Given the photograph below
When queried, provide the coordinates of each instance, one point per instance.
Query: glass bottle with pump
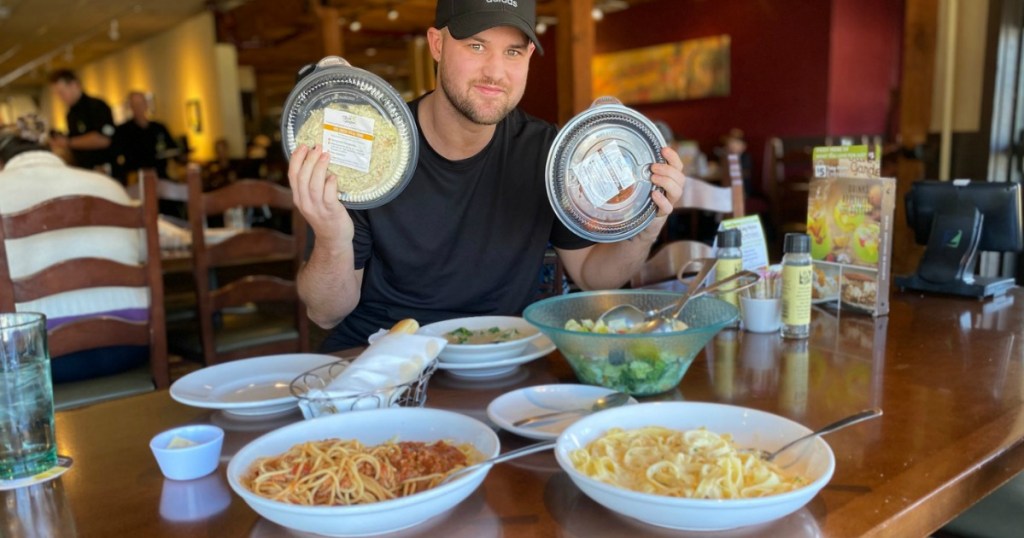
(730, 262)
(796, 286)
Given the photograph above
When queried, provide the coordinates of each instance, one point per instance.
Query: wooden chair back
(249, 248)
(726, 199)
(166, 189)
(667, 261)
(80, 273)
(788, 170)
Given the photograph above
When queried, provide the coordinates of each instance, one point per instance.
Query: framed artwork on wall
(194, 115)
(691, 69)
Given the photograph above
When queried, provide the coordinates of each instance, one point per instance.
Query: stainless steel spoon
(607, 401)
(745, 279)
(837, 425)
(510, 455)
(629, 316)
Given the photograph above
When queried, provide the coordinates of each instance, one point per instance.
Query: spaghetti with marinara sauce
(695, 464)
(337, 472)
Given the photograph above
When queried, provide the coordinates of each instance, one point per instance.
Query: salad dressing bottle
(796, 286)
(730, 262)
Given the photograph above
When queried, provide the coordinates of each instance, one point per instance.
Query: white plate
(257, 386)
(476, 353)
(538, 348)
(532, 401)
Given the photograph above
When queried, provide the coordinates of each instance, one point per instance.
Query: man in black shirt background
(90, 124)
(141, 142)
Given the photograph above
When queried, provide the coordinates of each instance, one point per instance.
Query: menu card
(850, 220)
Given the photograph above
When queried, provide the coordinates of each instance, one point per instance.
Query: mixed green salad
(638, 368)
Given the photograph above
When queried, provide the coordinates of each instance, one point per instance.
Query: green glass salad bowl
(638, 364)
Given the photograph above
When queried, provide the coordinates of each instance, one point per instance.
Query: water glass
(27, 442)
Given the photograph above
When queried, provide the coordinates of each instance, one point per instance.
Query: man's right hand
(315, 193)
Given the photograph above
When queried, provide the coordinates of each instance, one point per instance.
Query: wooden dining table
(947, 372)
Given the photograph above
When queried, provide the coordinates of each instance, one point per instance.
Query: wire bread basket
(311, 390)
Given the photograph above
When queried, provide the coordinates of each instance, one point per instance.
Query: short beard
(465, 107)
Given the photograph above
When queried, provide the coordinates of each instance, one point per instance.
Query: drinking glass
(27, 443)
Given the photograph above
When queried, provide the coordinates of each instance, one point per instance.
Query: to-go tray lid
(364, 124)
(598, 172)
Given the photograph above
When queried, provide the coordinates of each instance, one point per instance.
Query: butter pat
(180, 442)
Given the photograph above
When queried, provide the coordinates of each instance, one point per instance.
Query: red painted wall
(798, 66)
(865, 71)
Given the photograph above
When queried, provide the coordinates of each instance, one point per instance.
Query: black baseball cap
(466, 18)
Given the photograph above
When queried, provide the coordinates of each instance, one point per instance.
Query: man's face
(67, 92)
(137, 103)
(484, 76)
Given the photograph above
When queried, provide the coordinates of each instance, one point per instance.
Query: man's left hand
(669, 176)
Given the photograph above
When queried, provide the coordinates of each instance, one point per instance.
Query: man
(31, 175)
(141, 142)
(467, 236)
(90, 124)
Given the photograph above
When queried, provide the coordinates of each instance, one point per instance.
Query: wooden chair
(667, 261)
(788, 170)
(101, 330)
(699, 195)
(238, 295)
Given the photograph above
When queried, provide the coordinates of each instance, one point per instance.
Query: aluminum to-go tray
(598, 172)
(333, 81)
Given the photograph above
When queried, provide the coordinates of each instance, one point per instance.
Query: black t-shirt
(464, 238)
(87, 115)
(143, 147)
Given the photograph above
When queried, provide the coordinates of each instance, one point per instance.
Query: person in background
(734, 144)
(25, 164)
(468, 234)
(221, 171)
(224, 170)
(90, 124)
(141, 142)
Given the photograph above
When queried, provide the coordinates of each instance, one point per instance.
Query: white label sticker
(604, 174)
(349, 139)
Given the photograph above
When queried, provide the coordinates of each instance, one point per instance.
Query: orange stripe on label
(349, 132)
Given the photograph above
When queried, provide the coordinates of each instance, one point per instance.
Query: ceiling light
(115, 30)
(371, 52)
(392, 14)
(355, 26)
(597, 14)
(541, 27)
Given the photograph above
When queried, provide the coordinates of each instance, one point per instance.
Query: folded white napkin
(392, 359)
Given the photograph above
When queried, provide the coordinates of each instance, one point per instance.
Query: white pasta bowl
(482, 353)
(371, 428)
(750, 428)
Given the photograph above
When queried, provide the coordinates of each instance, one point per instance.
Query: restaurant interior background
(221, 69)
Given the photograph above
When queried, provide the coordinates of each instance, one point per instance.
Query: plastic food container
(364, 124)
(598, 172)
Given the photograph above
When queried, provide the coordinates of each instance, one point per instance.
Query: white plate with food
(528, 402)
(482, 338)
(273, 466)
(249, 387)
(686, 436)
(536, 349)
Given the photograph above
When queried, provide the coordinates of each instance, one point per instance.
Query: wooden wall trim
(576, 35)
(920, 33)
